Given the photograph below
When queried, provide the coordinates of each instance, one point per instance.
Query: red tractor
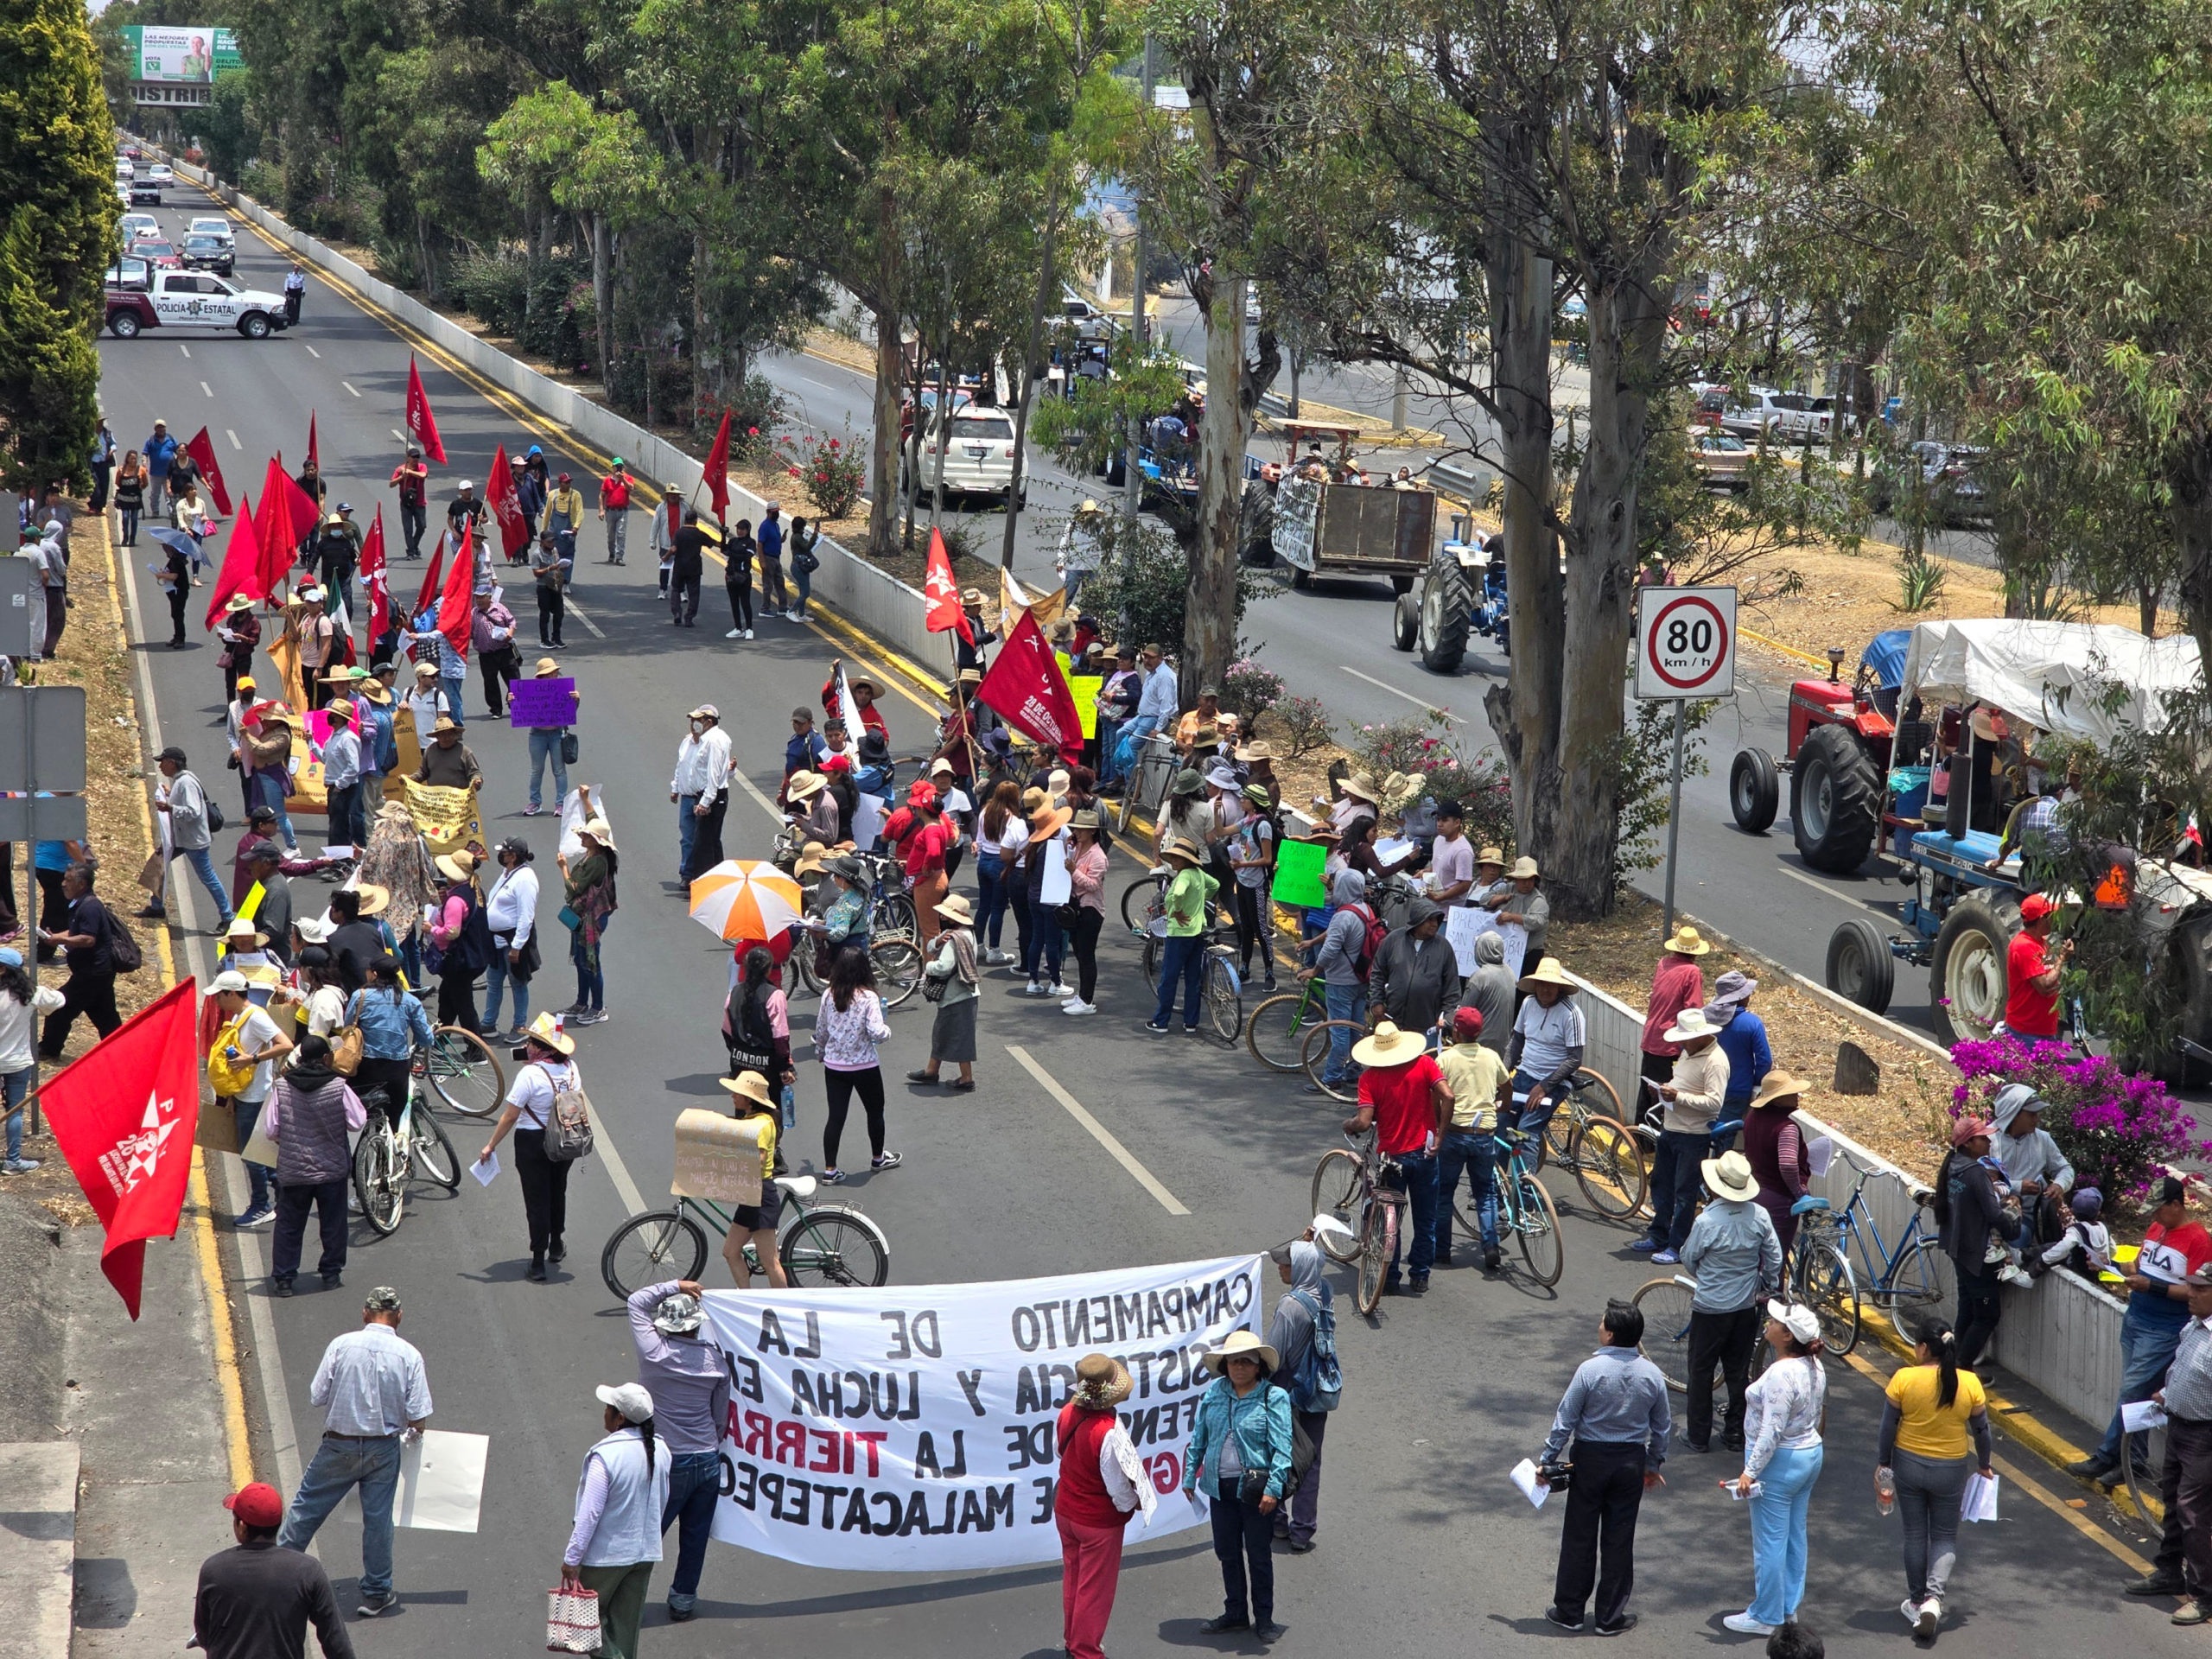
(1840, 743)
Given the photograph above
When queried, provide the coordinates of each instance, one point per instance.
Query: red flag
(717, 475)
(273, 531)
(202, 450)
(499, 495)
(241, 571)
(430, 581)
(302, 509)
(126, 1116)
(313, 460)
(372, 578)
(1026, 686)
(456, 608)
(943, 593)
(419, 420)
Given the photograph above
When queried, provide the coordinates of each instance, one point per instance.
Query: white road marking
(311, 351)
(1385, 685)
(576, 611)
(397, 432)
(1099, 1132)
(348, 385)
(185, 349)
(759, 799)
(1822, 887)
(233, 437)
(205, 387)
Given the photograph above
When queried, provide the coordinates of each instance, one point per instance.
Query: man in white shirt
(423, 702)
(259, 1040)
(700, 791)
(373, 1390)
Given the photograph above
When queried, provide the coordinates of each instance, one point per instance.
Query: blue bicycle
(1897, 1279)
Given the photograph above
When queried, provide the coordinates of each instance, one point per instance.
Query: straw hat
(956, 911)
(863, 683)
(1101, 1383)
(455, 866)
(600, 831)
(804, 785)
(546, 1029)
(749, 1085)
(1087, 819)
(1361, 785)
(809, 859)
(1524, 869)
(1549, 972)
(1387, 1046)
(243, 935)
(1730, 1177)
(1255, 752)
(375, 691)
(1776, 1085)
(238, 602)
(547, 669)
(1050, 821)
(1686, 942)
(446, 723)
(1242, 1344)
(1177, 847)
(1492, 856)
(373, 898)
(1690, 1026)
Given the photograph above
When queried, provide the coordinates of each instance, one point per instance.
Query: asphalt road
(1422, 1536)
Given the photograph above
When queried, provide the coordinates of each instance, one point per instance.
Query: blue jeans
(1044, 952)
(16, 1085)
(543, 746)
(1182, 963)
(1476, 1152)
(203, 868)
(1109, 737)
(497, 977)
(1778, 1533)
(990, 892)
(591, 982)
(1675, 1183)
(694, 1479)
(1345, 1003)
(804, 581)
(687, 834)
(2146, 1349)
(339, 1466)
(451, 690)
(259, 1176)
(1535, 1112)
(1421, 1195)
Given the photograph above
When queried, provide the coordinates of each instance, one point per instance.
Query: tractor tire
(1404, 623)
(1447, 604)
(1301, 579)
(1754, 791)
(1835, 800)
(1966, 983)
(1859, 965)
(1255, 527)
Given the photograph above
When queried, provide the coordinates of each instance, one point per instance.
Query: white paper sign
(911, 1429)
(1057, 886)
(1465, 923)
(1524, 1476)
(1979, 1502)
(440, 1483)
(867, 820)
(2139, 1414)
(573, 817)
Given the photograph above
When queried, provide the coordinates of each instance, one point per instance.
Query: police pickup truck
(138, 299)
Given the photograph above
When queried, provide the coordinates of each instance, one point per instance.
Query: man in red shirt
(614, 510)
(864, 694)
(1676, 983)
(2031, 970)
(1403, 1095)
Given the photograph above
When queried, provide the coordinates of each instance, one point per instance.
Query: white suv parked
(978, 453)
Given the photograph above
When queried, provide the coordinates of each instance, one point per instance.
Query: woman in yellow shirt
(1934, 1434)
(756, 1223)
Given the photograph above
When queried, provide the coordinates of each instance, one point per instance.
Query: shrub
(755, 413)
(1423, 751)
(1305, 723)
(2118, 1129)
(832, 470)
(1249, 690)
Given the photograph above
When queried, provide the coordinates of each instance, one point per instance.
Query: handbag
(570, 750)
(571, 1620)
(569, 918)
(345, 1053)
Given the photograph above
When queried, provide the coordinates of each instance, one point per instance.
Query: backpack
(568, 1132)
(226, 1077)
(1318, 1384)
(470, 951)
(1370, 941)
(745, 1029)
(122, 945)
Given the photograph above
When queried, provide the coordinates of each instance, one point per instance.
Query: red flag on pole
(314, 459)
(241, 571)
(717, 474)
(202, 451)
(1026, 686)
(945, 612)
(432, 580)
(126, 1116)
(273, 531)
(500, 495)
(419, 420)
(372, 578)
(456, 608)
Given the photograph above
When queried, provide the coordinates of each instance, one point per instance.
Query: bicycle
(1221, 987)
(1819, 1274)
(1666, 1306)
(897, 962)
(1587, 1136)
(1276, 1030)
(1358, 1173)
(820, 1244)
(462, 1070)
(1899, 1280)
(386, 1152)
(1146, 786)
(1144, 904)
(1524, 1208)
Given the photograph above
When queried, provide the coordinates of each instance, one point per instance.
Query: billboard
(191, 56)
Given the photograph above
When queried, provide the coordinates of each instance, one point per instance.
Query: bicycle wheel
(1336, 1187)
(1910, 1288)
(463, 1071)
(898, 964)
(1666, 1307)
(1609, 1169)
(1154, 950)
(1314, 1057)
(433, 1151)
(1823, 1278)
(1557, 1144)
(1141, 902)
(1275, 1030)
(1599, 1097)
(892, 914)
(802, 960)
(1537, 1225)
(1224, 1002)
(378, 1182)
(650, 1249)
(1374, 1255)
(833, 1244)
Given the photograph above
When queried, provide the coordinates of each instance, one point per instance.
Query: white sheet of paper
(1517, 946)
(1387, 850)
(340, 851)
(867, 820)
(2142, 1414)
(1463, 926)
(1820, 1153)
(440, 1483)
(1979, 1502)
(1057, 884)
(1524, 1476)
(485, 1170)
(572, 821)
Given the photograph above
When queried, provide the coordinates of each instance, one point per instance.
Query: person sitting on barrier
(2037, 1169)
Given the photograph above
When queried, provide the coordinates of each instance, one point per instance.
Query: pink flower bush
(2119, 1129)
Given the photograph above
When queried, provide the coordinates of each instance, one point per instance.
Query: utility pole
(1139, 334)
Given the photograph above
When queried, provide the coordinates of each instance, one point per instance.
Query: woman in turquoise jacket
(1239, 1456)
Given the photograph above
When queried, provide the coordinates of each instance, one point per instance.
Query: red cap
(836, 763)
(2034, 907)
(257, 1504)
(1467, 1023)
(922, 793)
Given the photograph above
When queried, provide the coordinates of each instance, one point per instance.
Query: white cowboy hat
(1548, 972)
(1729, 1176)
(1689, 1025)
(1387, 1046)
(1242, 1344)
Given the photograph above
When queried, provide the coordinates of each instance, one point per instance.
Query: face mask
(698, 726)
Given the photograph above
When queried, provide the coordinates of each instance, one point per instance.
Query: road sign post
(41, 781)
(1685, 649)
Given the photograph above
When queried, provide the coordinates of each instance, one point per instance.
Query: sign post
(41, 773)
(1685, 649)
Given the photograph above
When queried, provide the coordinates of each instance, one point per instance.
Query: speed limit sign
(1686, 642)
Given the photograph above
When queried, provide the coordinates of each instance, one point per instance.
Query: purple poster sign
(541, 702)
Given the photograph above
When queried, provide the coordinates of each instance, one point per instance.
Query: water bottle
(1885, 1492)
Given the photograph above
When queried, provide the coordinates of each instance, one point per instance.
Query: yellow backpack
(227, 1076)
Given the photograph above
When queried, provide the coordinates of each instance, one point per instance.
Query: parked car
(1949, 473)
(1800, 415)
(131, 271)
(978, 453)
(1722, 457)
(193, 300)
(216, 253)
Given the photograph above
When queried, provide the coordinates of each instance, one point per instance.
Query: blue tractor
(1461, 594)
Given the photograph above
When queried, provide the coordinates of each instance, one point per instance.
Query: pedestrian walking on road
(848, 1031)
(1737, 1260)
(738, 553)
(804, 561)
(1240, 1454)
(182, 799)
(159, 453)
(1415, 976)
(449, 763)
(20, 1006)
(756, 1018)
(103, 462)
(548, 744)
(1341, 960)
(1782, 1459)
(1692, 1104)
(1403, 1097)
(548, 568)
(756, 1223)
(1103, 1487)
(2185, 1558)
(413, 479)
(1934, 1434)
(311, 1112)
(589, 887)
(87, 945)
(1677, 982)
(373, 1388)
(1087, 896)
(549, 1071)
(251, 1042)
(341, 776)
(256, 1601)
(1303, 1332)
(491, 633)
(620, 1500)
(1613, 1421)
(460, 940)
(132, 485)
(688, 1381)
(564, 515)
(699, 790)
(952, 964)
(510, 912)
(614, 509)
(296, 288)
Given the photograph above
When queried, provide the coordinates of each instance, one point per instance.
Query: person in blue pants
(1183, 965)
(2150, 1331)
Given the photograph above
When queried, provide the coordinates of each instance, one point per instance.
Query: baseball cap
(229, 980)
(630, 1399)
(172, 752)
(383, 1299)
(1796, 1317)
(2034, 907)
(257, 1504)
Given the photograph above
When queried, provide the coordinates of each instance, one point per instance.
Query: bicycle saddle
(1159, 869)
(799, 1186)
(1729, 1127)
(1808, 1202)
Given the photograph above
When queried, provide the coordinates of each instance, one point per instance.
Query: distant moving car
(204, 252)
(193, 300)
(157, 252)
(978, 453)
(158, 172)
(128, 151)
(145, 192)
(136, 225)
(131, 271)
(212, 225)
(1722, 458)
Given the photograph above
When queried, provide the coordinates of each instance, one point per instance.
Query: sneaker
(737, 633)
(280, 1286)
(1664, 1258)
(681, 1608)
(372, 1605)
(2159, 1584)
(1490, 1258)
(1930, 1614)
(1037, 988)
(253, 1219)
(1076, 1006)
(573, 1010)
(1552, 1616)
(1744, 1624)
(749, 633)
(1644, 1246)
(889, 1160)
(1268, 986)
(1223, 1622)
(531, 811)
(997, 958)
(1620, 1626)
(1155, 1028)
(20, 1166)
(834, 1176)
(590, 1017)
(333, 1281)
(2016, 1276)
(1910, 1609)
(1060, 991)
(2197, 1613)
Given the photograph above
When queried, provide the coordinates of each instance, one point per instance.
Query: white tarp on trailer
(2058, 676)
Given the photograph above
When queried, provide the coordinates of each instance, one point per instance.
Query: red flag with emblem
(716, 478)
(314, 460)
(202, 451)
(500, 495)
(1026, 686)
(372, 578)
(241, 571)
(456, 607)
(126, 1116)
(419, 420)
(945, 614)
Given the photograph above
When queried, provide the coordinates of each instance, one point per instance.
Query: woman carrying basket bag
(615, 1542)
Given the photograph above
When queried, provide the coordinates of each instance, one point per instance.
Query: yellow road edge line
(223, 1328)
(1787, 651)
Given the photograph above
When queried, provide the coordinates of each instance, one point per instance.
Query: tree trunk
(1029, 362)
(890, 371)
(602, 299)
(1209, 612)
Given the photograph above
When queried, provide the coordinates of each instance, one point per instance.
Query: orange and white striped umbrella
(746, 899)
